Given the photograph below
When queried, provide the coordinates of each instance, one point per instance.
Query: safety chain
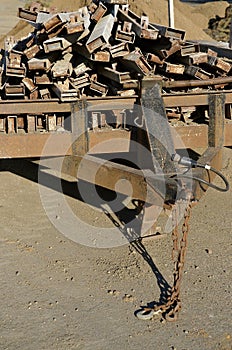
(173, 305)
(178, 255)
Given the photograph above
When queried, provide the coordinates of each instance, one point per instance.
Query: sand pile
(191, 18)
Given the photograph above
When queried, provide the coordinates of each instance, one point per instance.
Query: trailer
(155, 142)
(107, 137)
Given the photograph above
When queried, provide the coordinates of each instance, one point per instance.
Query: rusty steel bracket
(156, 124)
(216, 139)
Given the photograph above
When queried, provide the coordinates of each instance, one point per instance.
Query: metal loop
(145, 314)
(171, 316)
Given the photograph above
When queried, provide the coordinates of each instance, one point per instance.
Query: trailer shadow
(121, 219)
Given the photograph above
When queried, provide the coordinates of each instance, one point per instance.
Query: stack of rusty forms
(103, 49)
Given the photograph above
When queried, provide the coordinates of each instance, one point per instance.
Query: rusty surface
(216, 120)
(101, 56)
(124, 34)
(99, 12)
(31, 145)
(66, 91)
(101, 138)
(197, 83)
(54, 105)
(136, 61)
(212, 156)
(193, 99)
(14, 91)
(108, 174)
(27, 15)
(37, 64)
(192, 136)
(55, 44)
(115, 75)
(228, 134)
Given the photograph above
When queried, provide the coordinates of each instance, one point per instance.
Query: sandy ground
(8, 15)
(58, 294)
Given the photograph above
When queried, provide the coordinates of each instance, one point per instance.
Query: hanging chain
(173, 305)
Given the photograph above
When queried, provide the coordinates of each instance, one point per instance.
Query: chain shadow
(135, 240)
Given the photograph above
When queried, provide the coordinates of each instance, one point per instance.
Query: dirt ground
(58, 294)
(8, 17)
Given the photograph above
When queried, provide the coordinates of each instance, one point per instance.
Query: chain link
(173, 305)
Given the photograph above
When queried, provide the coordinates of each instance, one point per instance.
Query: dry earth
(58, 294)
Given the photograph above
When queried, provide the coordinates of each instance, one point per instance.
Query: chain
(173, 305)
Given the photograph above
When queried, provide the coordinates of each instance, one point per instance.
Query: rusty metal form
(98, 87)
(195, 58)
(61, 69)
(199, 73)
(39, 64)
(52, 22)
(75, 27)
(169, 32)
(114, 74)
(192, 135)
(45, 94)
(108, 33)
(55, 44)
(41, 78)
(99, 12)
(81, 81)
(27, 15)
(81, 69)
(142, 28)
(219, 63)
(101, 33)
(25, 134)
(136, 61)
(65, 91)
(124, 33)
(172, 307)
(31, 51)
(189, 49)
(173, 68)
(14, 91)
(119, 50)
(101, 56)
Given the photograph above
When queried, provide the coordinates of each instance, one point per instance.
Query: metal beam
(107, 174)
(9, 107)
(192, 99)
